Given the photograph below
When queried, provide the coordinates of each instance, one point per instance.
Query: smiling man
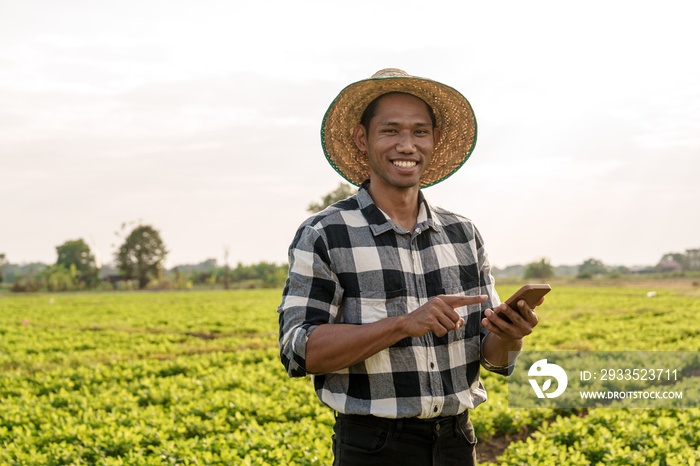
(390, 302)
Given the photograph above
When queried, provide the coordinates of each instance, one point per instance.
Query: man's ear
(359, 135)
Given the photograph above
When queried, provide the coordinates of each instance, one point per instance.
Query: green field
(194, 378)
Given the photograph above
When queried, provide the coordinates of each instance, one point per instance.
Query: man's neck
(400, 204)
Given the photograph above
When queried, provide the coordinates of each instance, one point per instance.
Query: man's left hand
(522, 323)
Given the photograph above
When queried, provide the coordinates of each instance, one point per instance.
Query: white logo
(542, 369)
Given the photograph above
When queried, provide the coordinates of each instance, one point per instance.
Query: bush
(22, 285)
(160, 285)
(126, 285)
(57, 278)
(541, 269)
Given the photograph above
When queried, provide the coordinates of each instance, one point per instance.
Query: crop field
(193, 378)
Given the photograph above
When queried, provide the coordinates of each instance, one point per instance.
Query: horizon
(218, 263)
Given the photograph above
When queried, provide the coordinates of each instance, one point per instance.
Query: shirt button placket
(418, 272)
(422, 292)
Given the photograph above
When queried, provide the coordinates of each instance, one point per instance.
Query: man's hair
(371, 109)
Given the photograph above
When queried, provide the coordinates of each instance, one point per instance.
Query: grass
(194, 377)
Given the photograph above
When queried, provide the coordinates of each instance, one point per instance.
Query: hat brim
(453, 114)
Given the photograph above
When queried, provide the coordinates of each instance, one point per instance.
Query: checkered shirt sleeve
(312, 296)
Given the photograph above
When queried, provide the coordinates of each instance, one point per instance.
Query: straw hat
(453, 114)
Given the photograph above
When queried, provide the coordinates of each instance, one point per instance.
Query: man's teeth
(404, 163)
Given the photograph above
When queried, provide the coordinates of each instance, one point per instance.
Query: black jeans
(370, 440)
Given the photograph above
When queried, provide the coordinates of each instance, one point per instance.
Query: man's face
(399, 142)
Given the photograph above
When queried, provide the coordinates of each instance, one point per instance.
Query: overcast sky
(202, 119)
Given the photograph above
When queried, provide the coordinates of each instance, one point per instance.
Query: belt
(436, 424)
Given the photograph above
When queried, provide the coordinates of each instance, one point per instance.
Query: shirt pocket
(365, 307)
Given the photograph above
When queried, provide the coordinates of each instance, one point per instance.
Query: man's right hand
(438, 315)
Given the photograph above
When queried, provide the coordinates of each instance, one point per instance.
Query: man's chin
(406, 183)
(399, 182)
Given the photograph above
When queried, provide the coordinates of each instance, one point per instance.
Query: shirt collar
(379, 222)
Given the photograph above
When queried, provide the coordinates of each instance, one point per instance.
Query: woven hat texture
(453, 114)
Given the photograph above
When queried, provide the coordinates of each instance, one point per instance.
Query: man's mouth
(404, 163)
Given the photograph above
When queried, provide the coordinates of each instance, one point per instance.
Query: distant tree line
(260, 275)
(138, 264)
(671, 263)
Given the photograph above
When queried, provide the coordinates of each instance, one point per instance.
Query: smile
(404, 163)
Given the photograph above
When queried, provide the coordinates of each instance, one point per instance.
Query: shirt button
(432, 365)
(437, 427)
(435, 409)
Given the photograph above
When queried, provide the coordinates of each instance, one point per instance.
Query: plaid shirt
(352, 264)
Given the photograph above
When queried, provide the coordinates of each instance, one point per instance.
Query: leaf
(546, 385)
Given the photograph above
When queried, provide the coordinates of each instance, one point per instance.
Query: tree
(591, 267)
(343, 191)
(142, 255)
(540, 269)
(688, 261)
(3, 262)
(227, 270)
(672, 256)
(691, 259)
(77, 254)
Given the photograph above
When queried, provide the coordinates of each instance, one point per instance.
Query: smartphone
(529, 293)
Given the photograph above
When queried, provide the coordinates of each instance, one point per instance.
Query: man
(390, 301)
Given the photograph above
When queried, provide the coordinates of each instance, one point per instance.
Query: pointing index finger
(456, 301)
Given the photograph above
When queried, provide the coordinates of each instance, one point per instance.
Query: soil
(491, 449)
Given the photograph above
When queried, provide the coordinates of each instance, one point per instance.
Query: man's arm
(333, 347)
(311, 297)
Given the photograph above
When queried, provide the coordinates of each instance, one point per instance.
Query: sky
(202, 119)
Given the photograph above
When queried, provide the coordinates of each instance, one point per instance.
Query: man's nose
(406, 144)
